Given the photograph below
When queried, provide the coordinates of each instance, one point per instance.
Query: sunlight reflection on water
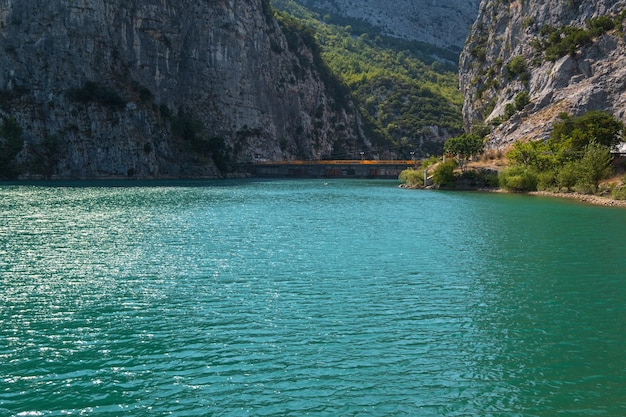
(294, 297)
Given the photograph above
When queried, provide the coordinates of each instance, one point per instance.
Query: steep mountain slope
(527, 61)
(443, 23)
(410, 97)
(161, 89)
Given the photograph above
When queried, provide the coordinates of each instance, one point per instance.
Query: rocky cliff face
(443, 23)
(160, 88)
(527, 61)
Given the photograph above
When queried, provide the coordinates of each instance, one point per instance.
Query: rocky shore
(585, 198)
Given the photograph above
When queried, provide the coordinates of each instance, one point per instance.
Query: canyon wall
(160, 88)
(525, 62)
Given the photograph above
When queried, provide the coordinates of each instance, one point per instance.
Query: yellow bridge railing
(341, 162)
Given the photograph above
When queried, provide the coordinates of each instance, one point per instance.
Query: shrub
(518, 179)
(489, 109)
(576, 38)
(567, 175)
(444, 173)
(563, 41)
(528, 21)
(577, 155)
(619, 193)
(145, 94)
(521, 100)
(546, 180)
(509, 111)
(480, 128)
(491, 180)
(94, 92)
(525, 77)
(479, 52)
(165, 111)
(412, 177)
(477, 179)
(516, 66)
(600, 25)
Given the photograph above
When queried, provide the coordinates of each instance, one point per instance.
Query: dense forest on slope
(407, 90)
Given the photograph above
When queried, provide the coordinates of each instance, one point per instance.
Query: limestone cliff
(443, 23)
(527, 61)
(160, 88)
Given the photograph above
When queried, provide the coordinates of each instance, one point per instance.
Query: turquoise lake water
(293, 298)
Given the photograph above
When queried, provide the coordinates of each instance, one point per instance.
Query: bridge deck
(332, 168)
(340, 162)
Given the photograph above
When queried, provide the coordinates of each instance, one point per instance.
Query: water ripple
(293, 298)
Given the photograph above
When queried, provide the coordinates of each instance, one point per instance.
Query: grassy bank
(493, 163)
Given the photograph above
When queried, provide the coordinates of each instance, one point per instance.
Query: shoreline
(583, 198)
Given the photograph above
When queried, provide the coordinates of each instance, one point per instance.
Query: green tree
(595, 165)
(535, 154)
(464, 147)
(593, 126)
(567, 175)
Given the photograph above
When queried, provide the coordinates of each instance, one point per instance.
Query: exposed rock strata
(159, 88)
(593, 77)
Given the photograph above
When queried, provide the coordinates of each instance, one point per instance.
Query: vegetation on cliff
(554, 43)
(402, 90)
(544, 80)
(525, 62)
(576, 158)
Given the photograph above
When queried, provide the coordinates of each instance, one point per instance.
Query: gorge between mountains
(160, 89)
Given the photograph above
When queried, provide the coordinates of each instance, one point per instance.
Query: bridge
(387, 169)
